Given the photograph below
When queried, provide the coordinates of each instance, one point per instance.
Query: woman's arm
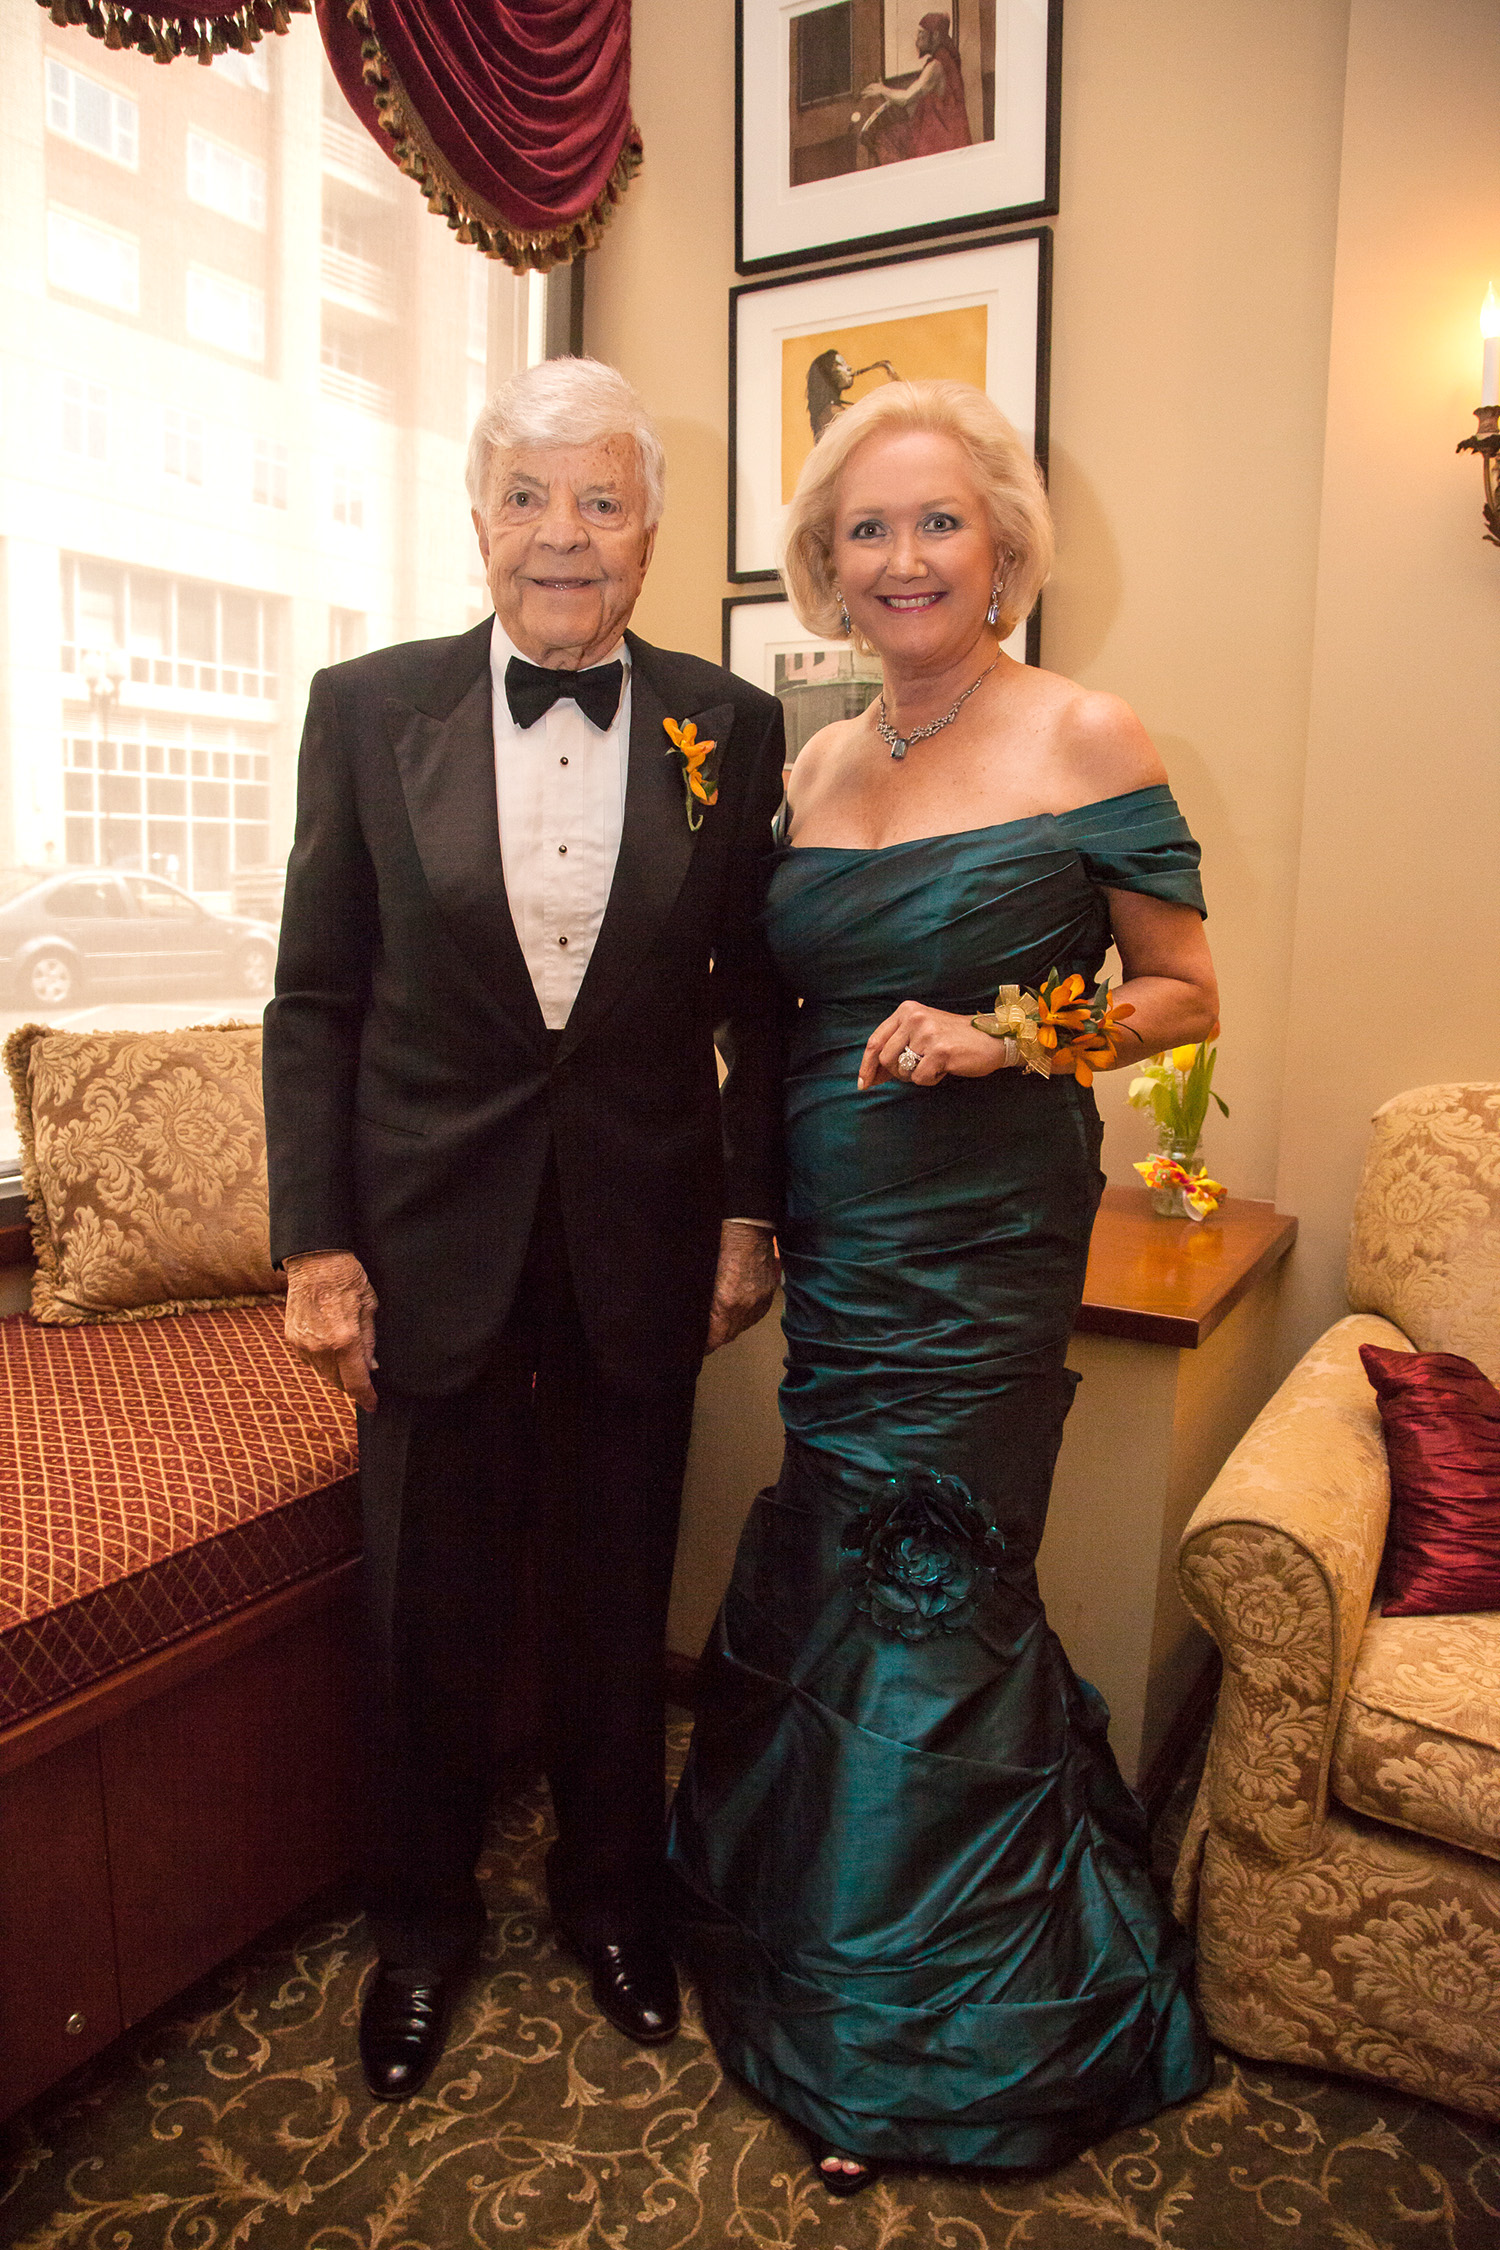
(1168, 975)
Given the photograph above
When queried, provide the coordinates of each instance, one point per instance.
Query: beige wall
(1398, 888)
(1278, 219)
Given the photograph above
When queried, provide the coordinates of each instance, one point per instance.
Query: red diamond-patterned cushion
(154, 1476)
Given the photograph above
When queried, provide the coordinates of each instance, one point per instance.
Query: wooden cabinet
(59, 1995)
(155, 1823)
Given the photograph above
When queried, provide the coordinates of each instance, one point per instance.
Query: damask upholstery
(155, 1477)
(1340, 1867)
(144, 1159)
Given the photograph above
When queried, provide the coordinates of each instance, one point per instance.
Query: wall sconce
(1486, 439)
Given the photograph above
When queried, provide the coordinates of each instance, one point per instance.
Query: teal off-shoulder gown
(909, 1876)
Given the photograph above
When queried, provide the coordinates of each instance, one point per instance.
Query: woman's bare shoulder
(1098, 747)
(818, 758)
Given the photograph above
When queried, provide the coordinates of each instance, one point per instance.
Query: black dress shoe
(402, 2026)
(635, 1985)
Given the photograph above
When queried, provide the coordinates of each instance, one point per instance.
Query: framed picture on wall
(861, 124)
(815, 681)
(803, 351)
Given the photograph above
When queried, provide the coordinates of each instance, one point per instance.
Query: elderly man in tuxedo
(514, 1204)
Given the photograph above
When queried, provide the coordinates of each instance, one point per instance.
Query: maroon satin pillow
(1441, 1419)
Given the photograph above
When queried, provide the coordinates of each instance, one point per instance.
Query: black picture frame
(844, 241)
(763, 573)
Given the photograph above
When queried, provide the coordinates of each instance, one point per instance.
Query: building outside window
(226, 180)
(268, 473)
(348, 496)
(94, 116)
(91, 260)
(162, 615)
(225, 312)
(347, 634)
(85, 418)
(182, 445)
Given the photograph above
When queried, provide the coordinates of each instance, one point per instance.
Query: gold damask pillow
(144, 1159)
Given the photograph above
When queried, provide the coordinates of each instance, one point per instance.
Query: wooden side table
(1175, 1344)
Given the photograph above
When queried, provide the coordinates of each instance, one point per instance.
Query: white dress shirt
(560, 790)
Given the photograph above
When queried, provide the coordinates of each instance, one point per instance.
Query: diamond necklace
(901, 743)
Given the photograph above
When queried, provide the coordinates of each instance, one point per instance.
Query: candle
(1489, 329)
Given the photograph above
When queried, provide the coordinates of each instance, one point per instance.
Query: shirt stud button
(562, 941)
(562, 761)
(562, 851)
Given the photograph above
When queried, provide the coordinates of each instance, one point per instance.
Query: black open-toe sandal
(841, 2183)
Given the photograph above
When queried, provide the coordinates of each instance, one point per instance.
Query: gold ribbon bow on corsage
(698, 773)
(1199, 1193)
(1058, 1033)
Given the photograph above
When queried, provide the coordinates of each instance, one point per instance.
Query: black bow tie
(531, 690)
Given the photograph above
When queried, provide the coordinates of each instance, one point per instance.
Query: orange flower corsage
(1058, 1031)
(699, 760)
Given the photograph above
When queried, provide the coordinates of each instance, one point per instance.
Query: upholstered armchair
(1342, 1866)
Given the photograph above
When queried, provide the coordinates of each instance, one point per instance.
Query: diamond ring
(907, 1061)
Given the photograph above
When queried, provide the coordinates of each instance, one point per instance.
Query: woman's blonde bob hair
(1004, 471)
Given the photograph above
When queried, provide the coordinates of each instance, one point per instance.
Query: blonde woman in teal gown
(911, 1881)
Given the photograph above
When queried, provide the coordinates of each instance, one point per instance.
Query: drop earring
(992, 614)
(843, 613)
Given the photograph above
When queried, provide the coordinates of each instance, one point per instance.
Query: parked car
(91, 932)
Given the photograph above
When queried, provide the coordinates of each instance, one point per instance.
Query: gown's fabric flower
(919, 1557)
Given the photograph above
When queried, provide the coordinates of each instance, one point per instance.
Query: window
(167, 491)
(477, 365)
(182, 808)
(228, 313)
(349, 497)
(159, 902)
(226, 180)
(76, 902)
(195, 639)
(346, 634)
(85, 418)
(251, 71)
(268, 474)
(825, 54)
(182, 445)
(93, 260)
(92, 115)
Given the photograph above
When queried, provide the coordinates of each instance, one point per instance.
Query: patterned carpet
(239, 2118)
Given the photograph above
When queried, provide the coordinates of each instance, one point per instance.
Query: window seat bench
(178, 1540)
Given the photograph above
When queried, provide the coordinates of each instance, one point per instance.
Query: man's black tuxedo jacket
(412, 1092)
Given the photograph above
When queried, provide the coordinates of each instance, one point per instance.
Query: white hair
(566, 402)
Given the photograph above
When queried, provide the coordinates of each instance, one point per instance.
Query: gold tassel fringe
(473, 221)
(164, 38)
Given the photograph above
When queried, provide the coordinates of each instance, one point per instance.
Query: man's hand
(330, 1320)
(745, 1282)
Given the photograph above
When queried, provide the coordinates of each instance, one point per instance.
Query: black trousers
(540, 1451)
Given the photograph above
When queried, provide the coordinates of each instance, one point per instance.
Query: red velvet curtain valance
(204, 28)
(512, 115)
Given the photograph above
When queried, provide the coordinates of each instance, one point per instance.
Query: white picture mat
(1005, 174)
(1004, 277)
(760, 631)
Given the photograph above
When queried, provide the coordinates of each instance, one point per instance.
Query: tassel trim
(165, 38)
(471, 218)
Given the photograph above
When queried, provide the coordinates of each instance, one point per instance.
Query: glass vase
(1168, 1202)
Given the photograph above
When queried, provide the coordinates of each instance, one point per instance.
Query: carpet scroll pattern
(238, 2120)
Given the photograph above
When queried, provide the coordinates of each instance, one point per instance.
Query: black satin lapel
(447, 769)
(656, 851)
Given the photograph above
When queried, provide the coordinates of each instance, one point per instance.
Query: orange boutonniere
(699, 760)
